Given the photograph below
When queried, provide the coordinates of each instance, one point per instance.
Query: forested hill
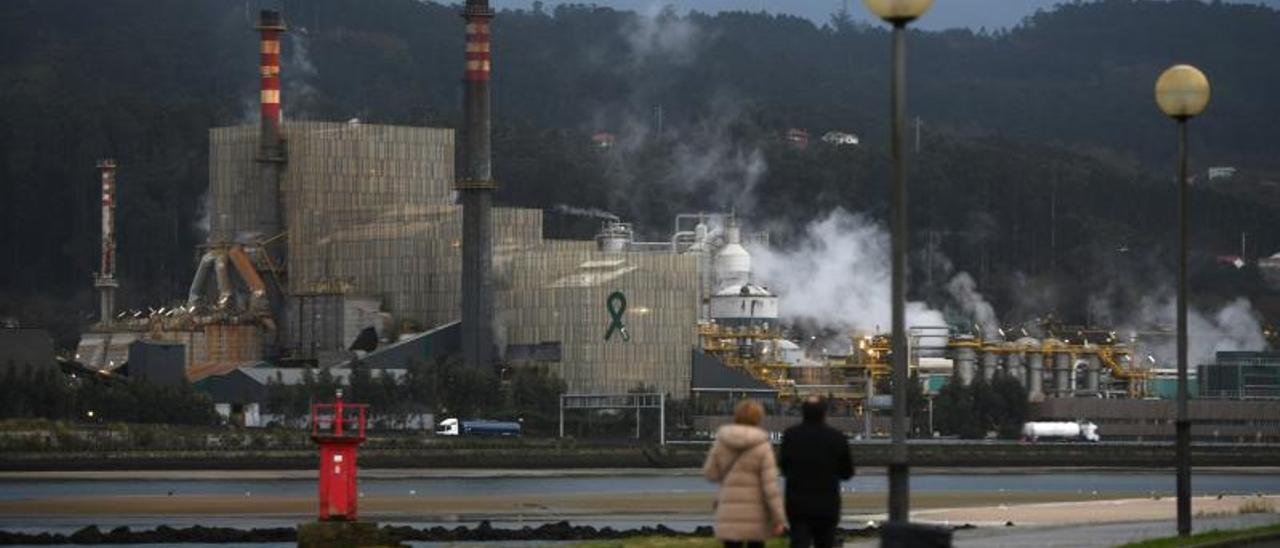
(1057, 110)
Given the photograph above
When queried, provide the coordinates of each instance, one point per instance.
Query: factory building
(1241, 376)
(321, 231)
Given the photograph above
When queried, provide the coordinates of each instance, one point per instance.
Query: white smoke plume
(658, 31)
(838, 276)
(1233, 327)
(584, 212)
(297, 76)
(966, 301)
(706, 160)
(964, 291)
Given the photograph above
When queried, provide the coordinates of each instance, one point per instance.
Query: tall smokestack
(105, 281)
(476, 187)
(271, 155)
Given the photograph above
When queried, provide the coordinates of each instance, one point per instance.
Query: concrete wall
(1129, 419)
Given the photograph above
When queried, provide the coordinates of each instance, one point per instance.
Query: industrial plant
(322, 231)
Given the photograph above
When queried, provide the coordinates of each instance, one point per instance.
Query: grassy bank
(665, 542)
(1268, 534)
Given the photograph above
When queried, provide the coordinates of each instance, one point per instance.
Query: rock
(87, 535)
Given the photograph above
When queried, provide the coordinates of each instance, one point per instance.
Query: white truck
(455, 427)
(1065, 431)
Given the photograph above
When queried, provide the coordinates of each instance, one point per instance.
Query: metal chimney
(105, 281)
(271, 154)
(476, 188)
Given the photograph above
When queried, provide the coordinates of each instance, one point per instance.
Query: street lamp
(898, 13)
(1182, 92)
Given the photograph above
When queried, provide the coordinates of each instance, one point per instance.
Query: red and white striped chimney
(271, 26)
(106, 279)
(265, 211)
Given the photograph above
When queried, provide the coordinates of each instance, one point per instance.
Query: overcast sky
(974, 14)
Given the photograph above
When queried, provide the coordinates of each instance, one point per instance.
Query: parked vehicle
(1066, 431)
(454, 427)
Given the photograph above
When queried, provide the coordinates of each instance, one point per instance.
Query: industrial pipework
(105, 281)
(271, 153)
(476, 187)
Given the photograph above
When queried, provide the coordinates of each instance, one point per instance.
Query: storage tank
(790, 352)
(1059, 361)
(1092, 365)
(966, 360)
(1061, 430)
(744, 305)
(733, 262)
(1035, 369)
(614, 237)
(1062, 374)
(990, 362)
(1013, 362)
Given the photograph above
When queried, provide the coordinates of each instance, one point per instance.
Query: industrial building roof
(441, 341)
(248, 384)
(709, 375)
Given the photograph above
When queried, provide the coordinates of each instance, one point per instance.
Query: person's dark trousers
(816, 532)
(742, 544)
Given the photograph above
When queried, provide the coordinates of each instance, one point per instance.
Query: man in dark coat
(815, 459)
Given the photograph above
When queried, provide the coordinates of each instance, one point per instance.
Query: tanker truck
(455, 427)
(1064, 431)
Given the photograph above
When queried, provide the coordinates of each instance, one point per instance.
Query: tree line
(50, 394)
(443, 387)
(1043, 166)
(984, 407)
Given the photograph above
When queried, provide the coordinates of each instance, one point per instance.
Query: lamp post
(899, 13)
(1181, 93)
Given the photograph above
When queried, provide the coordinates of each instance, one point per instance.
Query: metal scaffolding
(619, 401)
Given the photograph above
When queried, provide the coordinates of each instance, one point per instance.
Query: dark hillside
(1051, 120)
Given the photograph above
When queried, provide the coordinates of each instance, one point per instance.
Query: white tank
(614, 237)
(791, 353)
(733, 262)
(1061, 430)
(744, 304)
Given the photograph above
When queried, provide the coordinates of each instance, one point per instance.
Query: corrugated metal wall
(559, 292)
(369, 211)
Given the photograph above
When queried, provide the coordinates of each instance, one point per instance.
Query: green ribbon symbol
(617, 306)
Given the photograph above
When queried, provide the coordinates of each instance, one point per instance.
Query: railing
(332, 419)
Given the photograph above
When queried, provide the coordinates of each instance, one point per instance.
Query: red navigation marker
(339, 429)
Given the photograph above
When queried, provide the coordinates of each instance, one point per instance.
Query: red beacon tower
(339, 429)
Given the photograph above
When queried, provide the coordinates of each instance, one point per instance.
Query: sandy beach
(1083, 512)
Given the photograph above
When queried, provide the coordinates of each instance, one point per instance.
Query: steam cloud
(964, 291)
(1233, 327)
(706, 161)
(658, 31)
(838, 276)
(592, 212)
(297, 77)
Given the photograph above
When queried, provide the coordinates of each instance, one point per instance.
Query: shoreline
(497, 473)
(552, 455)
(956, 507)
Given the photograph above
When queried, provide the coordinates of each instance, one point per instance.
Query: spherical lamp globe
(1182, 92)
(898, 11)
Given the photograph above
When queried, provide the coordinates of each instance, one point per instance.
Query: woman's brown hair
(748, 412)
